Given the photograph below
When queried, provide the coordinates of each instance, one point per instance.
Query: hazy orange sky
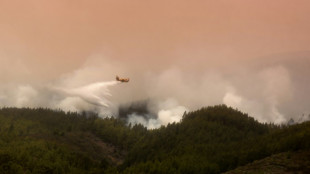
(169, 48)
(59, 36)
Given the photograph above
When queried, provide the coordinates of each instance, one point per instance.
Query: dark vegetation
(210, 140)
(282, 163)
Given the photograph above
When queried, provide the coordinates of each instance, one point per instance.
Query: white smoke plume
(270, 93)
(168, 111)
(272, 87)
(138, 119)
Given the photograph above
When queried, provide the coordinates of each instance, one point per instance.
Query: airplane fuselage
(122, 79)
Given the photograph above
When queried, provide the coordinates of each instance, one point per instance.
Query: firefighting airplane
(122, 79)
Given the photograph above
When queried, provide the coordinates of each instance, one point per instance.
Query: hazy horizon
(180, 55)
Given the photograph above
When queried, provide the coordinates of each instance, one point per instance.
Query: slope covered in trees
(210, 140)
(281, 163)
(213, 140)
(46, 141)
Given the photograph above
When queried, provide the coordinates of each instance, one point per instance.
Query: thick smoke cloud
(270, 92)
(270, 87)
(251, 55)
(153, 114)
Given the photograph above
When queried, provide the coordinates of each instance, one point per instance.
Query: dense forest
(210, 140)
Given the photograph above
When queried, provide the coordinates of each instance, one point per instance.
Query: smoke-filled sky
(180, 55)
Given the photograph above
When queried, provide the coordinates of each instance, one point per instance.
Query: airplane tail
(117, 78)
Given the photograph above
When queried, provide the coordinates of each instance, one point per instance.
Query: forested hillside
(210, 140)
(282, 163)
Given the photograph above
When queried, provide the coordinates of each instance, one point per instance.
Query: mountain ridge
(213, 139)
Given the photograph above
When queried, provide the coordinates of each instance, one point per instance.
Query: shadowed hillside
(282, 163)
(46, 141)
(210, 140)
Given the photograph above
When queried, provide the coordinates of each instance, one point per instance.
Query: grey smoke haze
(272, 91)
(251, 55)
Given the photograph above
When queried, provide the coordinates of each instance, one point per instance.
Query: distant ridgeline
(210, 140)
